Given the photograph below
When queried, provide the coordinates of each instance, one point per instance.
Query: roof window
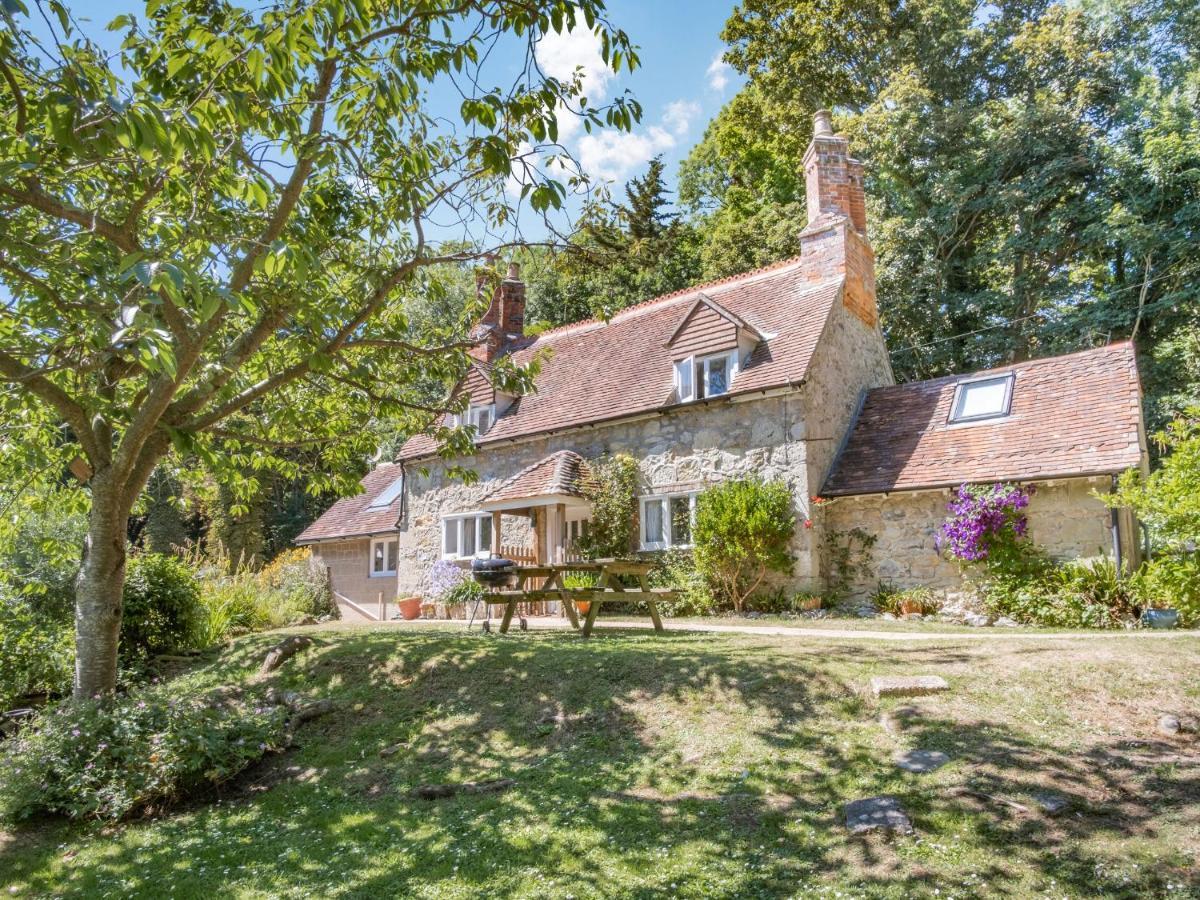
(698, 377)
(982, 398)
(389, 494)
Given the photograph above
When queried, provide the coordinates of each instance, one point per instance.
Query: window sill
(381, 575)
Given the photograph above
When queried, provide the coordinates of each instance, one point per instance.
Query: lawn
(679, 764)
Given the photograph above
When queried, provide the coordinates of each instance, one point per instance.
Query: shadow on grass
(643, 764)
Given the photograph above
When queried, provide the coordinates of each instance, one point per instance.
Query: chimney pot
(514, 272)
(822, 123)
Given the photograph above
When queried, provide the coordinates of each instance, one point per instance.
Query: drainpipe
(1114, 516)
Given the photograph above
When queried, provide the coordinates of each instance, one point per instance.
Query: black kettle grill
(496, 572)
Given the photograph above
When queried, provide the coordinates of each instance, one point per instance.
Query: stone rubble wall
(1064, 517)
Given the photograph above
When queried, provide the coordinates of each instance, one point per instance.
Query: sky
(681, 82)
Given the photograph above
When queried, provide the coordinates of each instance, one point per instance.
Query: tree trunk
(98, 591)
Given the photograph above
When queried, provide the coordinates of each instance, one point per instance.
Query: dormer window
(698, 377)
(982, 398)
(480, 418)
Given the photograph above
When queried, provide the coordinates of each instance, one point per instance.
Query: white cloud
(679, 114)
(560, 54)
(718, 73)
(613, 155)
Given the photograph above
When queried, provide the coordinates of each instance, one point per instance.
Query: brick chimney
(512, 303)
(504, 319)
(834, 241)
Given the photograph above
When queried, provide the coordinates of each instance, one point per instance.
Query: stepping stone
(1169, 725)
(877, 814)
(1051, 804)
(921, 761)
(907, 685)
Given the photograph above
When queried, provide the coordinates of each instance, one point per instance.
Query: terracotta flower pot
(410, 607)
(908, 607)
(583, 606)
(810, 603)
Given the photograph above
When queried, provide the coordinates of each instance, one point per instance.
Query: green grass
(690, 765)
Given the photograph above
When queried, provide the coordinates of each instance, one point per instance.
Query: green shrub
(293, 588)
(282, 593)
(743, 531)
(920, 600)
(1168, 501)
(40, 545)
(676, 570)
(612, 490)
(161, 606)
(36, 657)
(1174, 582)
(108, 759)
(1081, 593)
(466, 592)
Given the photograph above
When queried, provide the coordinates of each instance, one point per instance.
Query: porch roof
(559, 476)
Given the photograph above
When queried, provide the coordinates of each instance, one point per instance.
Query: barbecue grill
(496, 572)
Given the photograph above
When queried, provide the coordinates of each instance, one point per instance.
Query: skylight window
(389, 495)
(982, 398)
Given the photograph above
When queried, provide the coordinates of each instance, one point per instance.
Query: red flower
(808, 523)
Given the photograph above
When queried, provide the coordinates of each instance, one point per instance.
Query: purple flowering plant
(985, 522)
(444, 578)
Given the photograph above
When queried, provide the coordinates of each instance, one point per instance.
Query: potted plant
(577, 581)
(410, 607)
(808, 602)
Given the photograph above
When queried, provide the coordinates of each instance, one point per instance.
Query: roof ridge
(673, 295)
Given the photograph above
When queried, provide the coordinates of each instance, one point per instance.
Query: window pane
(485, 532)
(468, 541)
(393, 550)
(450, 545)
(681, 520)
(718, 376)
(654, 521)
(683, 380)
(377, 557)
(982, 398)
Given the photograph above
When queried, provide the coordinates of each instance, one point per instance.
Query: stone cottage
(781, 372)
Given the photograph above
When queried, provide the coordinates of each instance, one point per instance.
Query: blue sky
(681, 85)
(681, 82)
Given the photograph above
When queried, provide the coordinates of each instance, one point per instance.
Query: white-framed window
(982, 398)
(698, 377)
(479, 417)
(466, 536)
(384, 552)
(667, 520)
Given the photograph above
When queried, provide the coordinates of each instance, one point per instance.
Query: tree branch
(18, 97)
(33, 196)
(74, 414)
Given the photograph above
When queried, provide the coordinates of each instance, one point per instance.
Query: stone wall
(1064, 517)
(348, 563)
(683, 449)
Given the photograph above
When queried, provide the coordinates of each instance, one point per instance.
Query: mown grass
(680, 764)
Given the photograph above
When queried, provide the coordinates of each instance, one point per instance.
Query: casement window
(389, 495)
(698, 377)
(466, 536)
(982, 398)
(480, 418)
(667, 520)
(384, 552)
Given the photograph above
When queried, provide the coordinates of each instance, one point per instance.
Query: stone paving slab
(921, 761)
(877, 814)
(907, 685)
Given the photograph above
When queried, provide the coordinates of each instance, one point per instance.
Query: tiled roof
(595, 371)
(1078, 414)
(561, 473)
(352, 516)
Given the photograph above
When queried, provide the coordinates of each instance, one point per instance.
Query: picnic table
(608, 588)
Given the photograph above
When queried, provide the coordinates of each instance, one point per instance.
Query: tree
(206, 234)
(619, 255)
(743, 530)
(1032, 170)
